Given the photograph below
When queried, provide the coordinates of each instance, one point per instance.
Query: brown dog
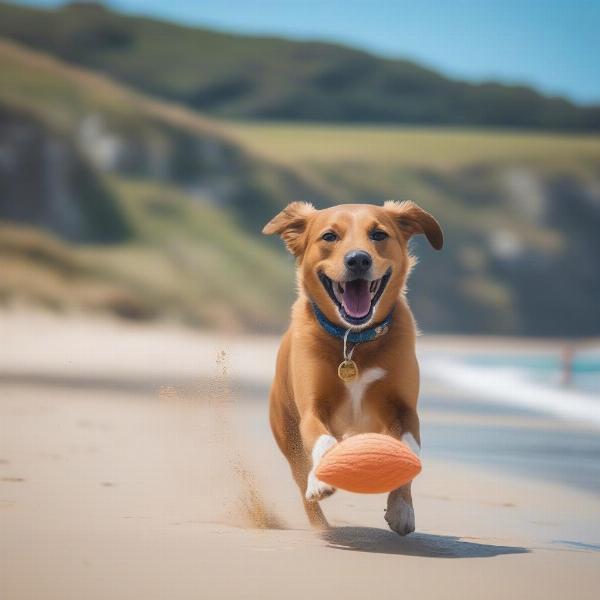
(352, 266)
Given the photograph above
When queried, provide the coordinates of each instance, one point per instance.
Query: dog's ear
(412, 219)
(291, 224)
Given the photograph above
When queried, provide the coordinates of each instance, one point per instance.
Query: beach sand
(137, 462)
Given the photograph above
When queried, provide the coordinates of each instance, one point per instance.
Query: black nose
(358, 262)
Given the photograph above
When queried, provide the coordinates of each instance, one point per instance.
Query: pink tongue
(356, 298)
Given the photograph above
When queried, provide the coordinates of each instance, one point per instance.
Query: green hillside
(185, 261)
(134, 135)
(182, 199)
(114, 202)
(520, 211)
(445, 149)
(271, 78)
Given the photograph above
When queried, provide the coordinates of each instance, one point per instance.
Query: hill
(121, 131)
(111, 201)
(520, 211)
(271, 78)
(182, 199)
(185, 261)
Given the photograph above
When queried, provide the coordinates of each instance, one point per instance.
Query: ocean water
(525, 380)
(519, 383)
(547, 369)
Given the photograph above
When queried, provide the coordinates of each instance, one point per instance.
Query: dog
(352, 264)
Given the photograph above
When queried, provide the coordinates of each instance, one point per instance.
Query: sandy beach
(137, 462)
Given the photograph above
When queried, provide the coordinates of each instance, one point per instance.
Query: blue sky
(551, 44)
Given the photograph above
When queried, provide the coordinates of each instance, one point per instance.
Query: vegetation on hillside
(155, 211)
(121, 131)
(271, 78)
(92, 162)
(185, 261)
(520, 212)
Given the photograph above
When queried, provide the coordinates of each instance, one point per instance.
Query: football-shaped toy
(369, 463)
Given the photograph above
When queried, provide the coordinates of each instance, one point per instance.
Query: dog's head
(353, 259)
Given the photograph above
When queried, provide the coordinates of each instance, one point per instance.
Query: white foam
(510, 386)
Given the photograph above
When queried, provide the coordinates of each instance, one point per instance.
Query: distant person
(567, 357)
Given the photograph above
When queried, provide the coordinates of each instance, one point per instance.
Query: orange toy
(369, 463)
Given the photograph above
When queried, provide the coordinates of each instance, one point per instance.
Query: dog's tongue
(356, 298)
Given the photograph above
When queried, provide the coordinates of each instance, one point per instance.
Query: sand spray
(244, 502)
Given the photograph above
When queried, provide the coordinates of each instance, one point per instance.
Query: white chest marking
(356, 389)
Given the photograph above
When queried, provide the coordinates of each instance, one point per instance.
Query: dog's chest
(351, 416)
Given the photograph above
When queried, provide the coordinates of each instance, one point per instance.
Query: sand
(136, 462)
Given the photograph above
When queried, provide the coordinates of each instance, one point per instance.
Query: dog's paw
(400, 516)
(317, 490)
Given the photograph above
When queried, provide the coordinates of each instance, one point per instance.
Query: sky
(553, 45)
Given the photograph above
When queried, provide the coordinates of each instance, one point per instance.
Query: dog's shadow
(370, 539)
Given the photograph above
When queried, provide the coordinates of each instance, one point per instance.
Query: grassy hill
(445, 149)
(183, 198)
(185, 261)
(114, 202)
(521, 212)
(134, 135)
(271, 78)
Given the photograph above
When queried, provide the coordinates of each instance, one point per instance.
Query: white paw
(317, 490)
(400, 516)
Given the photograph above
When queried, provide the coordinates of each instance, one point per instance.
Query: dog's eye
(329, 236)
(378, 235)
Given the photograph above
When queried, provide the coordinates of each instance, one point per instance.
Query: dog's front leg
(317, 440)
(400, 514)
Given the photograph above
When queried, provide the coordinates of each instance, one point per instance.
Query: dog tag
(348, 371)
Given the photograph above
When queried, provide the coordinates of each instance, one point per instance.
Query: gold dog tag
(348, 371)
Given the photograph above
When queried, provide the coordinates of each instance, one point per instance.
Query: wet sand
(136, 462)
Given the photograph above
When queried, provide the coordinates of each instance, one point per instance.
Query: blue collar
(355, 337)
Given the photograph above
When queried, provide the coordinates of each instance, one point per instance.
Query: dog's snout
(358, 262)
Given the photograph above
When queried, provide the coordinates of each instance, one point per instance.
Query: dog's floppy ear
(412, 219)
(291, 224)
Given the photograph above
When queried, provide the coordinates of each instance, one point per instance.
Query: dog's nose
(358, 262)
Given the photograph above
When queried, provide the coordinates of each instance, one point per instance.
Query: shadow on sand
(370, 539)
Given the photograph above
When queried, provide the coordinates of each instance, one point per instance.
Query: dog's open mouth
(356, 299)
